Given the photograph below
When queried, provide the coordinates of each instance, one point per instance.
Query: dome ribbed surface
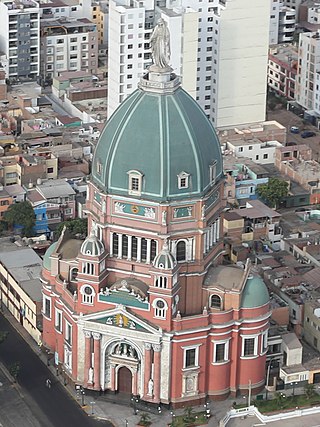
(92, 246)
(255, 293)
(160, 136)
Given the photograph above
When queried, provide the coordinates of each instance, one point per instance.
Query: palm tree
(144, 419)
(309, 390)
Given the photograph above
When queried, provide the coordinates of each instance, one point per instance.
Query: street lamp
(172, 417)
(126, 421)
(207, 410)
(92, 403)
(268, 375)
(83, 393)
(159, 410)
(134, 402)
(293, 387)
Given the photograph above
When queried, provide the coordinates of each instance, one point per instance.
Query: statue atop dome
(160, 45)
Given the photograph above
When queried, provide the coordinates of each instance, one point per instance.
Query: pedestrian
(48, 383)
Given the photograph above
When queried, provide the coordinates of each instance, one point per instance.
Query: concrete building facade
(20, 38)
(230, 52)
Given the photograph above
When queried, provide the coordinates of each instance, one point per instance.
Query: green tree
(3, 336)
(309, 390)
(188, 415)
(74, 226)
(273, 191)
(21, 214)
(144, 419)
(14, 370)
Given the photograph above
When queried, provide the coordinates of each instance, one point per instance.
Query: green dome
(46, 259)
(255, 293)
(158, 135)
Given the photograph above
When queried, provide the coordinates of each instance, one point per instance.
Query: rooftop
(25, 267)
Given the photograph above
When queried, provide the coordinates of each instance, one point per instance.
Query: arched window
(134, 247)
(153, 249)
(88, 268)
(73, 274)
(215, 301)
(125, 246)
(144, 249)
(161, 282)
(160, 308)
(87, 294)
(115, 244)
(181, 251)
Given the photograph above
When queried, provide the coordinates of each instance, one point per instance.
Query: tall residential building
(19, 38)
(282, 23)
(230, 50)
(308, 68)
(130, 28)
(68, 45)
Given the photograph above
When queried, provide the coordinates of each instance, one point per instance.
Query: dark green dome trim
(255, 293)
(159, 135)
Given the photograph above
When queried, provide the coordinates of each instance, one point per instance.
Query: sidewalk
(96, 406)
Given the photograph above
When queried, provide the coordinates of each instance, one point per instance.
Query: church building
(143, 305)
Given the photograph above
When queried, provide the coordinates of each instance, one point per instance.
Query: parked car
(294, 129)
(307, 134)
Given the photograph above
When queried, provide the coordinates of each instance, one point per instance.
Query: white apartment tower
(19, 38)
(282, 23)
(230, 51)
(307, 93)
(130, 28)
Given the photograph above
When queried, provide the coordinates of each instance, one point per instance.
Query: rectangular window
(249, 346)
(264, 342)
(58, 320)
(190, 357)
(220, 352)
(68, 333)
(135, 184)
(47, 307)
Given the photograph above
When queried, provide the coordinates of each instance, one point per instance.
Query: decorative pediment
(121, 318)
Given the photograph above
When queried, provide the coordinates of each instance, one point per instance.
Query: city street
(288, 119)
(40, 406)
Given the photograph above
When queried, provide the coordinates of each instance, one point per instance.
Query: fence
(252, 410)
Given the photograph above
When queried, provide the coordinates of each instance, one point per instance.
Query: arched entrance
(124, 380)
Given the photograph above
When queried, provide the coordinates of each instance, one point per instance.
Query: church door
(124, 380)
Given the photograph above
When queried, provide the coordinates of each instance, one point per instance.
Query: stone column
(129, 248)
(139, 249)
(87, 356)
(156, 372)
(148, 251)
(111, 244)
(215, 232)
(135, 382)
(218, 228)
(112, 377)
(119, 245)
(147, 367)
(96, 350)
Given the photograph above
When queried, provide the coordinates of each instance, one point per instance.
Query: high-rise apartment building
(130, 28)
(19, 38)
(230, 51)
(68, 45)
(307, 94)
(282, 23)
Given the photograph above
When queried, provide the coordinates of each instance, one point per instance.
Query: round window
(160, 304)
(88, 290)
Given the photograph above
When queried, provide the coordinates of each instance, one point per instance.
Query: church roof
(255, 293)
(160, 134)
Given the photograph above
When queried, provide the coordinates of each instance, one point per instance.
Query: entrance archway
(124, 380)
